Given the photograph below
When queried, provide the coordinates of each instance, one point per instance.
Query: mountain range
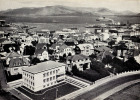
(59, 10)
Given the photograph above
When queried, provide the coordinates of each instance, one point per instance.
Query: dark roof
(41, 45)
(104, 54)
(102, 48)
(18, 62)
(39, 51)
(77, 57)
(13, 54)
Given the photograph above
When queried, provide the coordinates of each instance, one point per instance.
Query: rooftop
(43, 66)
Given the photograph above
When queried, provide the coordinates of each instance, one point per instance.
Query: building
(86, 49)
(43, 75)
(81, 61)
(16, 65)
(41, 52)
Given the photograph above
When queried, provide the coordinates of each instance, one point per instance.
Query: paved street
(103, 88)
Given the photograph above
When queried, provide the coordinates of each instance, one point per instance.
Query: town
(47, 65)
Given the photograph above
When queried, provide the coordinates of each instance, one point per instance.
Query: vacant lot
(49, 93)
(130, 93)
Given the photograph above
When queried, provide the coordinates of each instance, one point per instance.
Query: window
(50, 72)
(44, 80)
(53, 77)
(47, 73)
(15, 69)
(44, 75)
(47, 79)
(50, 78)
(54, 71)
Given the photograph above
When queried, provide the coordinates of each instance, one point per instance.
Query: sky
(116, 5)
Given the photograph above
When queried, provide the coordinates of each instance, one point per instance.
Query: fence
(97, 83)
(76, 82)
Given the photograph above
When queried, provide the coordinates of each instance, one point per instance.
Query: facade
(79, 60)
(86, 49)
(16, 65)
(41, 52)
(43, 75)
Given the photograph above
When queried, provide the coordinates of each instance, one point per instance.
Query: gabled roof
(18, 62)
(104, 54)
(40, 45)
(62, 47)
(40, 51)
(13, 54)
(77, 57)
(54, 45)
(102, 48)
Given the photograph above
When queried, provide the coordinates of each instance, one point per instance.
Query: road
(90, 95)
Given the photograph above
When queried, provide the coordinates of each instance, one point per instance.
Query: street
(104, 88)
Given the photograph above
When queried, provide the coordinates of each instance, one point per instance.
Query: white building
(86, 49)
(43, 75)
(82, 62)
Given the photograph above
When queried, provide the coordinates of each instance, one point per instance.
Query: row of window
(50, 73)
(28, 86)
(29, 82)
(49, 79)
(49, 84)
(29, 76)
(67, 49)
(80, 60)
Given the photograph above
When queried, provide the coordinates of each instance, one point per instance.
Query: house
(43, 75)
(28, 39)
(41, 51)
(104, 36)
(81, 61)
(102, 55)
(61, 50)
(11, 55)
(137, 56)
(16, 65)
(41, 54)
(43, 32)
(41, 46)
(43, 39)
(102, 49)
(86, 49)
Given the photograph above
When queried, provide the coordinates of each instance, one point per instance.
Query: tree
(107, 59)
(112, 42)
(75, 70)
(85, 66)
(29, 50)
(34, 43)
(69, 54)
(77, 50)
(35, 61)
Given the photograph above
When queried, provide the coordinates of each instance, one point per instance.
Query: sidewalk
(115, 90)
(19, 95)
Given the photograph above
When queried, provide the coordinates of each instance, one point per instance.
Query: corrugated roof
(40, 67)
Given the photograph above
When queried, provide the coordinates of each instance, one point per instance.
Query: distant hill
(63, 10)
